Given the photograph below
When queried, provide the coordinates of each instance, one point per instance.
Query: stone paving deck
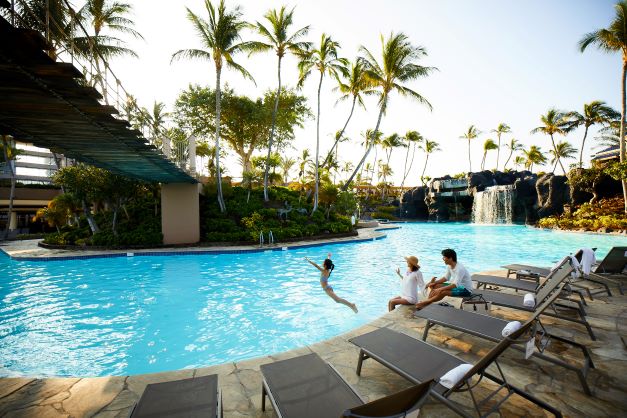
(240, 382)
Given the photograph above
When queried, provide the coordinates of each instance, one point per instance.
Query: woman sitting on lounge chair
(410, 284)
(325, 272)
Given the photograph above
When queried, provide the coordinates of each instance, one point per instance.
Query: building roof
(608, 153)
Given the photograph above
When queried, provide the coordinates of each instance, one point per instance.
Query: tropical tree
(488, 145)
(353, 87)
(384, 171)
(554, 122)
(276, 38)
(249, 178)
(286, 165)
(413, 139)
(429, 147)
(614, 39)
(513, 146)
(609, 136)
(303, 162)
(325, 60)
(533, 156)
(563, 150)
(594, 113)
(105, 16)
(519, 161)
(220, 37)
(503, 128)
(471, 133)
(347, 167)
(398, 66)
(203, 150)
(391, 142)
(157, 119)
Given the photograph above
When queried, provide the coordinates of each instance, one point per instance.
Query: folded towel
(529, 300)
(453, 376)
(587, 260)
(510, 328)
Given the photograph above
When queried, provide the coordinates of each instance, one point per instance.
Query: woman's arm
(398, 271)
(314, 264)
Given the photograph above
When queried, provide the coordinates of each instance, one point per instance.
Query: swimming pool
(143, 314)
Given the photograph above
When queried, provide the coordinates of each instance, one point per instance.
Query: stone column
(167, 148)
(191, 147)
(180, 214)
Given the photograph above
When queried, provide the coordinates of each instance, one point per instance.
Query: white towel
(587, 260)
(453, 376)
(510, 328)
(529, 300)
(576, 267)
(525, 272)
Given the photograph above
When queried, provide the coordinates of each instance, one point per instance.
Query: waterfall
(494, 205)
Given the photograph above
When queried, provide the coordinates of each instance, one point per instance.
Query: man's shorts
(458, 292)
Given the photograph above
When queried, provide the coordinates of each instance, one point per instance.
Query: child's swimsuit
(325, 283)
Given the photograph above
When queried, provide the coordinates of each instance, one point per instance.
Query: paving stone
(79, 403)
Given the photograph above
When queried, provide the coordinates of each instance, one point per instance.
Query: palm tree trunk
(315, 206)
(271, 139)
(339, 136)
(483, 160)
(424, 169)
(363, 159)
(498, 152)
(583, 142)
(405, 172)
(556, 156)
(5, 148)
(218, 109)
(622, 128)
(469, 161)
(507, 161)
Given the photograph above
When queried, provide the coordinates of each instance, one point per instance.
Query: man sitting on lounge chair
(456, 281)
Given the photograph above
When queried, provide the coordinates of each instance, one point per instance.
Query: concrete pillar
(167, 148)
(191, 148)
(180, 214)
(13, 221)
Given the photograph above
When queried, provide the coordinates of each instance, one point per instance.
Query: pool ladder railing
(262, 240)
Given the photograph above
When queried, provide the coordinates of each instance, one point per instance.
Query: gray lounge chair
(611, 268)
(419, 361)
(490, 328)
(309, 387)
(188, 398)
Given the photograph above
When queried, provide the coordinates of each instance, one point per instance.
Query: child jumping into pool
(325, 272)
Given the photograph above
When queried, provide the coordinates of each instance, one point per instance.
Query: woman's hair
(328, 264)
(414, 268)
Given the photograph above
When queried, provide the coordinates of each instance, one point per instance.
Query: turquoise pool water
(144, 314)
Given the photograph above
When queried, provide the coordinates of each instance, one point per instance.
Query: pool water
(144, 314)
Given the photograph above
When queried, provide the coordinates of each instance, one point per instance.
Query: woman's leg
(397, 301)
(338, 299)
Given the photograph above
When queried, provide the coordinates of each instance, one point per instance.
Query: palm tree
(412, 137)
(220, 38)
(429, 147)
(609, 135)
(277, 39)
(596, 112)
(353, 87)
(554, 122)
(101, 15)
(533, 156)
(325, 60)
(471, 134)
(519, 160)
(503, 128)
(286, 165)
(513, 146)
(563, 150)
(399, 66)
(488, 145)
(157, 120)
(384, 171)
(347, 167)
(302, 163)
(614, 39)
(391, 142)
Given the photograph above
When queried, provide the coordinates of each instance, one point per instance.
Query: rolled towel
(453, 376)
(510, 328)
(529, 300)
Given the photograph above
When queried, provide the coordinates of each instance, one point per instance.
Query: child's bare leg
(338, 299)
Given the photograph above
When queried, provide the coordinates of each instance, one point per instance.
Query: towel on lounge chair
(453, 376)
(587, 260)
(511, 327)
(529, 300)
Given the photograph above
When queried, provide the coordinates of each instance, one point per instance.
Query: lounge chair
(419, 361)
(189, 398)
(612, 266)
(309, 387)
(491, 328)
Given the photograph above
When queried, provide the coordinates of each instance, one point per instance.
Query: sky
(498, 62)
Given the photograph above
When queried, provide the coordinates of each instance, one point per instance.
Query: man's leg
(438, 295)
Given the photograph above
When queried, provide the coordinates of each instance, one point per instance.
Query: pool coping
(33, 252)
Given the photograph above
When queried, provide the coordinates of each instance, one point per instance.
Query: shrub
(383, 215)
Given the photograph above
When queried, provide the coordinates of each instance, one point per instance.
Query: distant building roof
(608, 153)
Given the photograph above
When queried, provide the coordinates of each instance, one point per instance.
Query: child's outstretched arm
(314, 264)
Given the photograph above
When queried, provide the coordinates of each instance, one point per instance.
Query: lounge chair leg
(427, 328)
(263, 397)
(362, 356)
